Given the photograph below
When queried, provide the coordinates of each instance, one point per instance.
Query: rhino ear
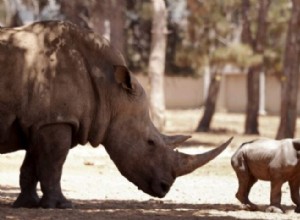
(123, 77)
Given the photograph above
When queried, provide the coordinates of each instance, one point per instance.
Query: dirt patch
(98, 190)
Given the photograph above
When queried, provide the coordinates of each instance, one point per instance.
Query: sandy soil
(98, 190)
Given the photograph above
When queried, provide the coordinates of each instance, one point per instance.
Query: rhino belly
(260, 170)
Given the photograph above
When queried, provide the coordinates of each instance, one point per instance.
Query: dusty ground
(98, 191)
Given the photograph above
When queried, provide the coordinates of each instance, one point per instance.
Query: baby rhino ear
(123, 77)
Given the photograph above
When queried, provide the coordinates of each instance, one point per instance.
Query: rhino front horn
(186, 163)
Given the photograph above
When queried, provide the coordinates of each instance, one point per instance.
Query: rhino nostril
(151, 142)
(164, 186)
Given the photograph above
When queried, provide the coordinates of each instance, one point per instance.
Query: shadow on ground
(117, 209)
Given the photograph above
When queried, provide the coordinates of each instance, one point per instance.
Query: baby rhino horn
(185, 163)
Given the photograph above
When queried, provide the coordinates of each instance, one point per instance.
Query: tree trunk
(10, 13)
(257, 44)
(251, 125)
(289, 79)
(210, 104)
(157, 63)
(20, 12)
(77, 12)
(100, 17)
(118, 20)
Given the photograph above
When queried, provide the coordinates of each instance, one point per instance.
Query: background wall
(187, 93)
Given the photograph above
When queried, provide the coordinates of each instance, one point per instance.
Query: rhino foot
(249, 207)
(27, 200)
(274, 209)
(246, 203)
(51, 203)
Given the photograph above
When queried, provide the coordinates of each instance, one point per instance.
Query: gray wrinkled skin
(276, 161)
(61, 86)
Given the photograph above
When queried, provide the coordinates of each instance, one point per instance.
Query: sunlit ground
(98, 190)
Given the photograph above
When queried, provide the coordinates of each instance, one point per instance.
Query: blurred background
(233, 56)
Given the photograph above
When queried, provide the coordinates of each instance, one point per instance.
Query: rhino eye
(151, 142)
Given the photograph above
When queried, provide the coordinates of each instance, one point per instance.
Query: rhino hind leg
(294, 188)
(50, 148)
(28, 197)
(245, 182)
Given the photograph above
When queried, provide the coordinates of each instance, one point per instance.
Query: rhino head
(141, 153)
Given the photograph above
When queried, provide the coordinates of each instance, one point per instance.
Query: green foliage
(208, 36)
(202, 32)
(208, 33)
(278, 17)
(138, 34)
(237, 54)
(213, 38)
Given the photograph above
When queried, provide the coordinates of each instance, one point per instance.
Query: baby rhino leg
(245, 180)
(245, 184)
(275, 197)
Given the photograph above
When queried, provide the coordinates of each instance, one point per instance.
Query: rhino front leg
(50, 149)
(275, 197)
(28, 197)
(294, 188)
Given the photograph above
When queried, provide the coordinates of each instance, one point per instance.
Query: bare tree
(10, 11)
(117, 20)
(19, 12)
(95, 15)
(77, 12)
(289, 79)
(211, 100)
(157, 63)
(257, 44)
(105, 17)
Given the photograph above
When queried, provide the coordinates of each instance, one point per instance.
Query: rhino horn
(187, 163)
(174, 140)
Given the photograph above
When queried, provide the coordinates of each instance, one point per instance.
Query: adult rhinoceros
(61, 86)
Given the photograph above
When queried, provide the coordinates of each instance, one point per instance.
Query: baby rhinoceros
(276, 161)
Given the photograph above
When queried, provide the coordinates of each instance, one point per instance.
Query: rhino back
(59, 75)
(266, 157)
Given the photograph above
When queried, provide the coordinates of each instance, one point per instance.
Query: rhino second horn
(186, 163)
(175, 140)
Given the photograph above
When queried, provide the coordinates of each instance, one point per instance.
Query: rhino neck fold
(100, 122)
(101, 115)
(100, 70)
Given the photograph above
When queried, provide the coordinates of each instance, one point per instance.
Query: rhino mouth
(161, 189)
(157, 188)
